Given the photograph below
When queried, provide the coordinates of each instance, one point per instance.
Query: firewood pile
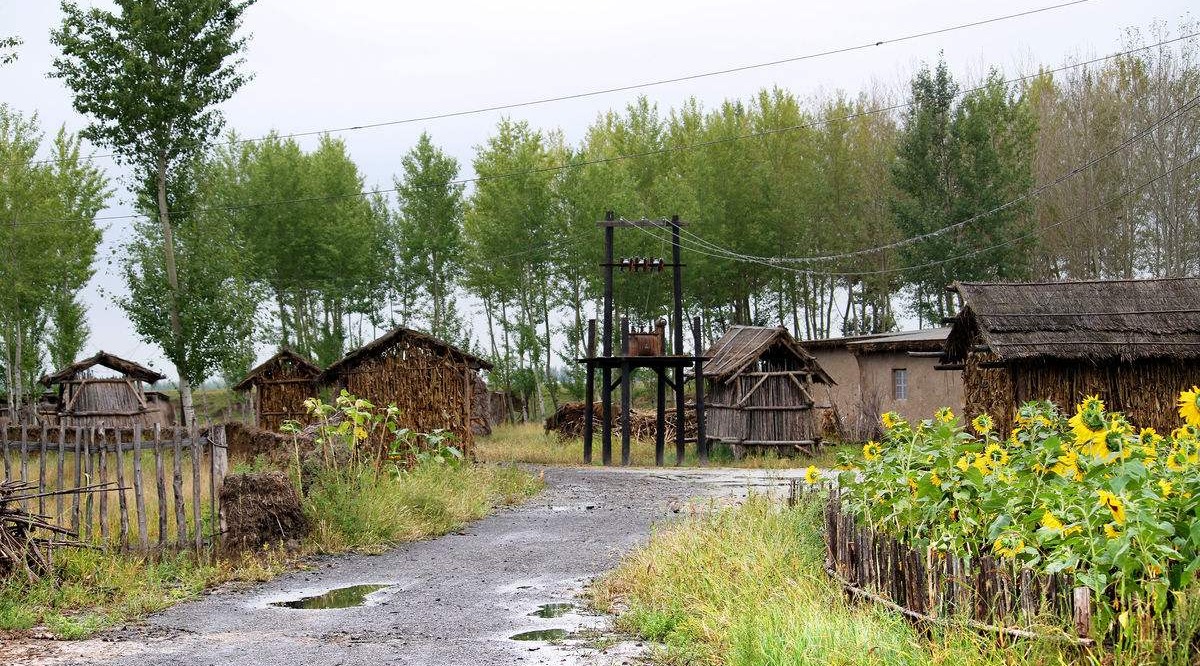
(567, 423)
(26, 539)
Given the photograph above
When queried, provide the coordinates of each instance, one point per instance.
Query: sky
(320, 65)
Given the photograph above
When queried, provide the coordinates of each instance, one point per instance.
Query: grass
(92, 589)
(745, 586)
(527, 443)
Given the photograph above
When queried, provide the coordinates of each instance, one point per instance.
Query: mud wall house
(278, 388)
(86, 396)
(763, 390)
(431, 382)
(887, 372)
(1134, 343)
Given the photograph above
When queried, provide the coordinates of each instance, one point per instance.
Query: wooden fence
(985, 593)
(165, 483)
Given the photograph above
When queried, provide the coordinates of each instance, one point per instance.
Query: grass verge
(528, 443)
(745, 586)
(91, 590)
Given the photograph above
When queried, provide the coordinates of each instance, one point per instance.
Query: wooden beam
(643, 223)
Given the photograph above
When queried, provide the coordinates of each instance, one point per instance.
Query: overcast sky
(320, 64)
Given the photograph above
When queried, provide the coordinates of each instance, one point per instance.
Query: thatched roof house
(430, 381)
(85, 399)
(760, 390)
(1135, 343)
(884, 372)
(279, 387)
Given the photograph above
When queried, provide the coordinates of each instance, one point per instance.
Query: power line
(638, 86)
(965, 255)
(626, 156)
(1037, 191)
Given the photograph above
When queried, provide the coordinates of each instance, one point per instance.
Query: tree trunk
(178, 354)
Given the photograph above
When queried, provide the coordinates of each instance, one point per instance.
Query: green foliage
(1089, 496)
(8, 49)
(48, 240)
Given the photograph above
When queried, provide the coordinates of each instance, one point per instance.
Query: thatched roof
(303, 366)
(392, 337)
(743, 345)
(1095, 321)
(116, 363)
(925, 339)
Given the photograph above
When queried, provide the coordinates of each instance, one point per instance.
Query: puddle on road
(552, 610)
(540, 635)
(343, 597)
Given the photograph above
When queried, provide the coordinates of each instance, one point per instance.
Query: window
(900, 384)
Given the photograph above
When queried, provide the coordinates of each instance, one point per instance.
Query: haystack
(259, 509)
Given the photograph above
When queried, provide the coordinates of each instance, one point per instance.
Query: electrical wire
(615, 158)
(638, 86)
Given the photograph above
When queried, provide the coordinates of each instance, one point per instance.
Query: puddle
(540, 635)
(343, 597)
(552, 610)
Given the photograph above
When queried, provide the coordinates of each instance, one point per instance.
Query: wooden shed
(431, 382)
(1135, 343)
(84, 398)
(279, 387)
(761, 386)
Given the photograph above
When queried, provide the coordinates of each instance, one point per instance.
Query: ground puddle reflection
(552, 610)
(343, 597)
(541, 635)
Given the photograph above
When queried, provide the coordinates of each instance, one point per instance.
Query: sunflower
(1051, 522)
(871, 450)
(1110, 531)
(1008, 545)
(982, 424)
(1092, 403)
(1088, 426)
(944, 415)
(360, 433)
(1189, 406)
(996, 455)
(1166, 487)
(963, 463)
(1177, 459)
(1114, 505)
(811, 475)
(889, 420)
(934, 478)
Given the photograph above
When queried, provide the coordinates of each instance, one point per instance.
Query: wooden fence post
(139, 489)
(160, 479)
(198, 534)
(62, 458)
(177, 486)
(102, 454)
(42, 468)
(76, 519)
(122, 500)
(220, 469)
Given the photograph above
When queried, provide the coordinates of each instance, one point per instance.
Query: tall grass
(528, 443)
(745, 586)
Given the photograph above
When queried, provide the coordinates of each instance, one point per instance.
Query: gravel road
(453, 600)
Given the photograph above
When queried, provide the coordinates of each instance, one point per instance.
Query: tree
(8, 49)
(955, 163)
(48, 238)
(429, 232)
(151, 76)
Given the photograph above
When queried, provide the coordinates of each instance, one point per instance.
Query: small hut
(760, 388)
(85, 398)
(1135, 343)
(279, 387)
(431, 382)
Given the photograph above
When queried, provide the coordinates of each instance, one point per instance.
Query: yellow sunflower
(982, 424)
(934, 478)
(996, 455)
(963, 463)
(871, 450)
(889, 420)
(1008, 545)
(1110, 531)
(1051, 522)
(944, 415)
(1165, 487)
(1189, 406)
(811, 475)
(1114, 505)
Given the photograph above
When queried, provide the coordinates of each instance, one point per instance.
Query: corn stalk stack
(23, 548)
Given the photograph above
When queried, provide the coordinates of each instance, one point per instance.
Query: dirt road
(450, 601)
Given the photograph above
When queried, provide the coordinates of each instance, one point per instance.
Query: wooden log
(58, 485)
(42, 442)
(76, 520)
(122, 499)
(1081, 610)
(24, 454)
(197, 529)
(139, 489)
(89, 442)
(177, 486)
(4, 451)
(103, 456)
(220, 469)
(160, 482)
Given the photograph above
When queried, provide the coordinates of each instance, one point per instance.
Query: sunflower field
(1087, 494)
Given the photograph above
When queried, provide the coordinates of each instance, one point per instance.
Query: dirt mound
(568, 422)
(260, 508)
(247, 442)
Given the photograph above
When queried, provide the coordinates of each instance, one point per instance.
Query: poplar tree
(150, 76)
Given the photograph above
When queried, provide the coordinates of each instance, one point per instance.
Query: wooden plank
(221, 468)
(197, 528)
(76, 521)
(177, 486)
(160, 480)
(139, 489)
(103, 516)
(212, 459)
(4, 450)
(122, 500)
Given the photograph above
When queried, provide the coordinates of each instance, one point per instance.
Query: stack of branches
(21, 547)
(567, 422)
